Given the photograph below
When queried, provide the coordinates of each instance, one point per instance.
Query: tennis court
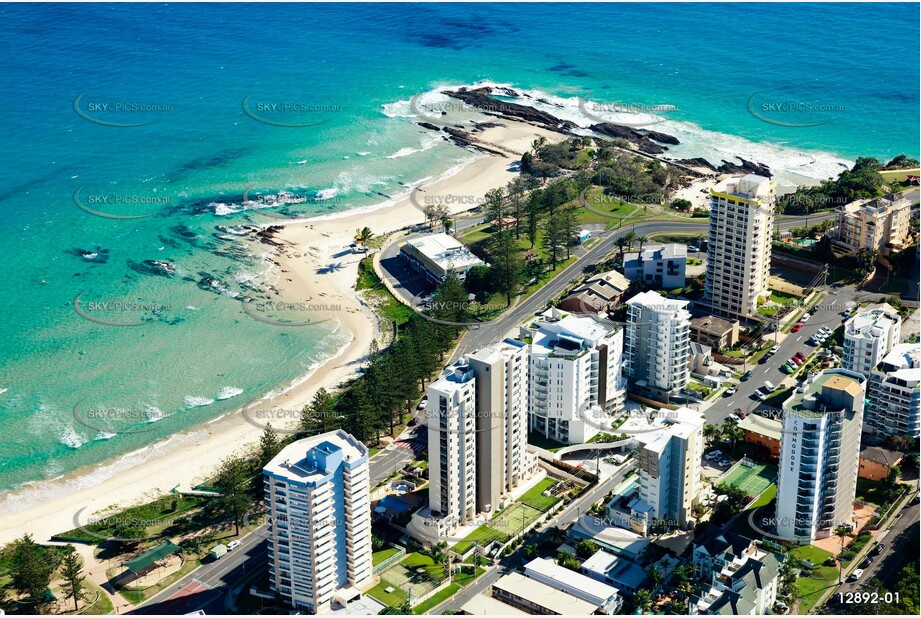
(750, 477)
(416, 575)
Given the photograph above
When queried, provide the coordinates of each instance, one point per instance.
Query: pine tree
(31, 572)
(234, 482)
(507, 263)
(72, 574)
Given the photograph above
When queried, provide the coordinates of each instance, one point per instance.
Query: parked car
(788, 368)
(866, 562)
(233, 545)
(769, 386)
(740, 413)
(746, 376)
(729, 392)
(800, 355)
(877, 549)
(775, 349)
(853, 577)
(796, 361)
(805, 317)
(761, 396)
(797, 326)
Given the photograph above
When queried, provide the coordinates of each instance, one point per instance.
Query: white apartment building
(451, 416)
(317, 491)
(745, 585)
(868, 336)
(669, 464)
(501, 374)
(477, 437)
(659, 266)
(575, 375)
(874, 224)
(605, 598)
(894, 401)
(819, 455)
(657, 345)
(739, 246)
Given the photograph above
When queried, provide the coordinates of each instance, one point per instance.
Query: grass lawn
(465, 575)
(678, 237)
(415, 559)
(437, 599)
(102, 605)
(483, 535)
(379, 556)
(135, 597)
(782, 298)
(534, 498)
(392, 599)
(378, 295)
(810, 589)
(874, 492)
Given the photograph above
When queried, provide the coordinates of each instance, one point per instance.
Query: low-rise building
(877, 225)
(598, 295)
(742, 576)
(658, 266)
(764, 433)
(434, 255)
(875, 462)
(484, 605)
(700, 360)
(536, 598)
(718, 333)
(603, 596)
(625, 575)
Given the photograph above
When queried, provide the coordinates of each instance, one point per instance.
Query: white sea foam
(71, 438)
(325, 194)
(192, 401)
(229, 391)
(155, 414)
(103, 435)
(221, 208)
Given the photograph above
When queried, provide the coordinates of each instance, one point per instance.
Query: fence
(391, 560)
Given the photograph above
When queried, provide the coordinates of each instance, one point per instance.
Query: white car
(233, 545)
(805, 317)
(855, 575)
(760, 395)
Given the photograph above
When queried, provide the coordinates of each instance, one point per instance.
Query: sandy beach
(313, 263)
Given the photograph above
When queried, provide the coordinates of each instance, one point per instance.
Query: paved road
(901, 545)
(828, 314)
(206, 587)
(508, 564)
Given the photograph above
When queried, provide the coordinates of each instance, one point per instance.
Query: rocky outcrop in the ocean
(480, 99)
(747, 167)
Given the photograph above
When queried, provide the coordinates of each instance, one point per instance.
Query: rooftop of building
(445, 251)
(653, 301)
(543, 595)
(483, 605)
(570, 578)
(878, 206)
(652, 252)
(700, 349)
(767, 427)
(880, 455)
(617, 568)
(561, 332)
(839, 379)
(903, 358)
(607, 285)
(297, 461)
(666, 424)
(751, 187)
(713, 325)
(715, 541)
(875, 316)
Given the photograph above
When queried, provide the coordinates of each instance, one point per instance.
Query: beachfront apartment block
(575, 379)
(434, 255)
(739, 245)
(501, 374)
(669, 464)
(868, 336)
(819, 455)
(874, 224)
(894, 393)
(451, 419)
(658, 266)
(477, 437)
(657, 346)
(318, 496)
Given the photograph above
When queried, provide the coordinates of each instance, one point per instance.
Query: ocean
(170, 114)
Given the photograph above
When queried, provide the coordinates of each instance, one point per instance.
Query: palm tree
(643, 597)
(641, 240)
(842, 533)
(364, 236)
(631, 238)
(621, 243)
(731, 431)
(655, 574)
(711, 432)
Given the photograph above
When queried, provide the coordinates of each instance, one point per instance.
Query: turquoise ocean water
(193, 77)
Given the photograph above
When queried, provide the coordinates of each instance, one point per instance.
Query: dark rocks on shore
(428, 125)
(480, 99)
(697, 162)
(629, 133)
(747, 167)
(465, 140)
